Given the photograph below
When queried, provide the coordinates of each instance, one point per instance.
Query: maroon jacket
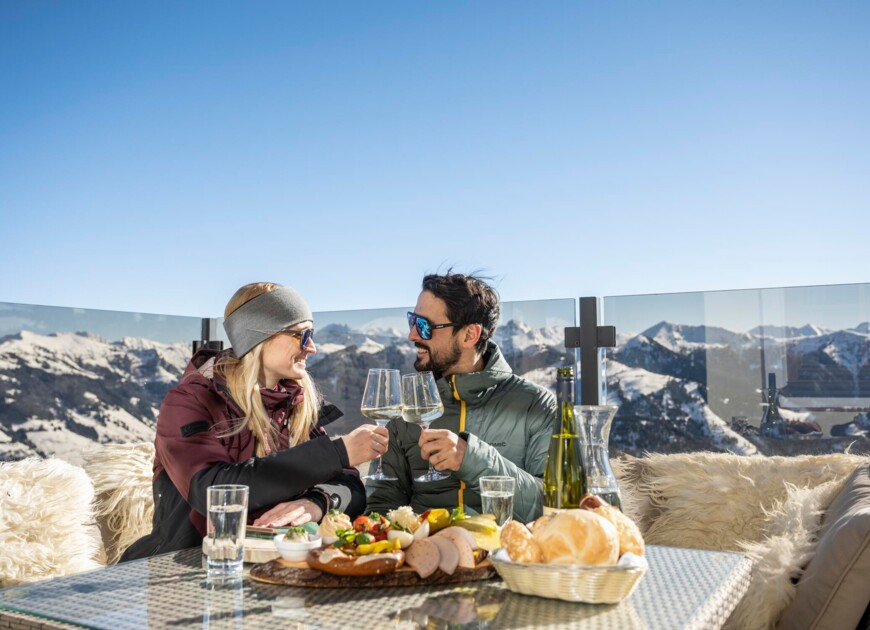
(190, 457)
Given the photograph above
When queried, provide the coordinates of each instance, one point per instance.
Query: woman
(251, 415)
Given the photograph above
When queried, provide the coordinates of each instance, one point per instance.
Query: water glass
(497, 497)
(225, 533)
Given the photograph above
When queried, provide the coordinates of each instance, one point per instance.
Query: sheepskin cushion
(766, 507)
(834, 591)
(122, 475)
(45, 511)
(789, 543)
(717, 500)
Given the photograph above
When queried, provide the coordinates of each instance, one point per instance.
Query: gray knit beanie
(263, 316)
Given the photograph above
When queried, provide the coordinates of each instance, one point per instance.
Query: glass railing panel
(72, 377)
(529, 334)
(691, 370)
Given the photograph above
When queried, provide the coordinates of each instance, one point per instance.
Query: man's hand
(293, 513)
(444, 449)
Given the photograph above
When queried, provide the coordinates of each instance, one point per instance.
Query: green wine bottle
(772, 424)
(564, 476)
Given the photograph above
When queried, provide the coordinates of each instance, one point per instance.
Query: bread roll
(518, 542)
(541, 521)
(630, 539)
(578, 537)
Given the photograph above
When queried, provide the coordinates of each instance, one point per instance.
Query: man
(494, 422)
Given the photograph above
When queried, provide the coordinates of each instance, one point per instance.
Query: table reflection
(683, 588)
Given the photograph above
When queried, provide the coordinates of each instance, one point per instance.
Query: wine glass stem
(424, 426)
(380, 471)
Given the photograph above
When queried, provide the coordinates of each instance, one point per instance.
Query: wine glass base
(432, 476)
(380, 477)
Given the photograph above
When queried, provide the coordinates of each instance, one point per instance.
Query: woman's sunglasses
(424, 327)
(305, 336)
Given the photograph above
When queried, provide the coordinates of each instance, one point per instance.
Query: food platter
(284, 572)
(402, 549)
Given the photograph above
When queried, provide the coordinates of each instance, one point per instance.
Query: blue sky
(155, 156)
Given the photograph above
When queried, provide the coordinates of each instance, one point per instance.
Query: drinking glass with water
(225, 530)
(497, 497)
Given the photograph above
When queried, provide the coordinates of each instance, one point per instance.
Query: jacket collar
(202, 365)
(476, 387)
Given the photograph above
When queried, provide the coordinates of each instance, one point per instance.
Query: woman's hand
(365, 443)
(293, 513)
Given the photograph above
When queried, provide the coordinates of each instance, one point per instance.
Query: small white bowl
(296, 551)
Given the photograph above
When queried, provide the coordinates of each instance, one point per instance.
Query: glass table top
(683, 588)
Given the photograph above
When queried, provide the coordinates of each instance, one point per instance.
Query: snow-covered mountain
(677, 387)
(60, 393)
(788, 332)
(681, 337)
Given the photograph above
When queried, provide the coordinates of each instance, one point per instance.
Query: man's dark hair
(469, 300)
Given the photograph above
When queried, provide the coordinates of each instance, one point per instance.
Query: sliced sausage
(449, 554)
(423, 556)
(453, 532)
(459, 540)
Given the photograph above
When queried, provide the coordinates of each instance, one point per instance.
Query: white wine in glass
(382, 402)
(421, 404)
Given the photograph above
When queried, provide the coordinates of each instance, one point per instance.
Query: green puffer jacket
(507, 422)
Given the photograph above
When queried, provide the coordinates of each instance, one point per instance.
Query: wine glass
(421, 404)
(382, 402)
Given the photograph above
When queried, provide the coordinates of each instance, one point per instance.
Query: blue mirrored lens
(422, 325)
(423, 328)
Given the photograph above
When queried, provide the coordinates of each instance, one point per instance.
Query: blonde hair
(243, 381)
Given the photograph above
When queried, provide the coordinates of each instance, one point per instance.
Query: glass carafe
(600, 479)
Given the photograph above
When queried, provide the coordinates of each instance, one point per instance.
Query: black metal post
(205, 340)
(589, 337)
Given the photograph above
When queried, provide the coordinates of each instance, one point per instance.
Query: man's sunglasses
(424, 327)
(305, 336)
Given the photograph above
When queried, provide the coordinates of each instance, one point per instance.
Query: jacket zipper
(461, 429)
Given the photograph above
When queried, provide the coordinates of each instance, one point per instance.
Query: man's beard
(438, 363)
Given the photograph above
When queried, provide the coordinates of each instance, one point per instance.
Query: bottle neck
(774, 403)
(565, 421)
(565, 391)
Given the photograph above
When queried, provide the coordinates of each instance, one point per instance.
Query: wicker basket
(571, 582)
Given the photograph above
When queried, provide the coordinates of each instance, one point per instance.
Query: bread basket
(570, 582)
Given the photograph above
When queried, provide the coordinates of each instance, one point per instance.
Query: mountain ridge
(676, 386)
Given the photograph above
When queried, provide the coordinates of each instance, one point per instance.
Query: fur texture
(790, 539)
(717, 500)
(124, 507)
(766, 507)
(46, 522)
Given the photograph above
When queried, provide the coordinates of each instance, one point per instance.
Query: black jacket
(190, 457)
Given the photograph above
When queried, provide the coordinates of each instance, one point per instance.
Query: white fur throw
(45, 511)
(767, 507)
(122, 474)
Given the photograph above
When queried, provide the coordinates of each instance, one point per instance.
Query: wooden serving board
(287, 573)
(260, 549)
(256, 549)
